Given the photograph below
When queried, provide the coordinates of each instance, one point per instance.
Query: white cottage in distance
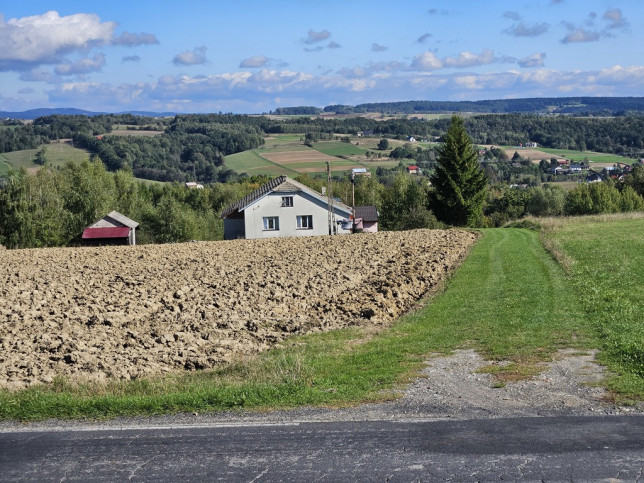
(283, 207)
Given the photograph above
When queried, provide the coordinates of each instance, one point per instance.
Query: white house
(283, 207)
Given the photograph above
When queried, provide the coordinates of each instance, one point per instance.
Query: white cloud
(132, 40)
(575, 35)
(633, 75)
(615, 19)
(314, 37)
(523, 30)
(468, 59)
(615, 22)
(82, 66)
(426, 61)
(254, 62)
(534, 60)
(257, 91)
(196, 56)
(38, 75)
(46, 38)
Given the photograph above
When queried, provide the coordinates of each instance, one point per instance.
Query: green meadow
(56, 154)
(591, 155)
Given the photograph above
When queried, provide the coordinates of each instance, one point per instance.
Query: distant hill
(70, 111)
(600, 106)
(551, 105)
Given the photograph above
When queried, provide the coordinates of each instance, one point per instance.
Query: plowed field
(126, 312)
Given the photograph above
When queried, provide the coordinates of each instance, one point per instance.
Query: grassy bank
(604, 258)
(509, 300)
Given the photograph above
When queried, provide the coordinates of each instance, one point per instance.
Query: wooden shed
(113, 229)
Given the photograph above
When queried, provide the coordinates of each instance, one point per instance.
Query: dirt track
(124, 312)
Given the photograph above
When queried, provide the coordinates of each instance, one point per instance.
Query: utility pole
(329, 194)
(353, 200)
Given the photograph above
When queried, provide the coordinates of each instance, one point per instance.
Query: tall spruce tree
(458, 181)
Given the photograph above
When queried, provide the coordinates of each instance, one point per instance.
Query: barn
(113, 229)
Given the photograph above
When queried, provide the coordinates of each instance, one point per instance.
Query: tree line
(606, 106)
(54, 205)
(193, 147)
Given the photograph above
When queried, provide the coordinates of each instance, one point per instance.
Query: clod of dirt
(127, 312)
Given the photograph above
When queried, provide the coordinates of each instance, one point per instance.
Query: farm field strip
(134, 132)
(595, 157)
(127, 312)
(289, 157)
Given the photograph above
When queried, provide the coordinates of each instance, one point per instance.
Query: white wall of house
(304, 205)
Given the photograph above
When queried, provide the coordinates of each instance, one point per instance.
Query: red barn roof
(109, 232)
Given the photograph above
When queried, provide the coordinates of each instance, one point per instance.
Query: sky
(253, 56)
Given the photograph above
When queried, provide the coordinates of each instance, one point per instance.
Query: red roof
(108, 232)
(412, 167)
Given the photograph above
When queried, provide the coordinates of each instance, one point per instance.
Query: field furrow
(126, 312)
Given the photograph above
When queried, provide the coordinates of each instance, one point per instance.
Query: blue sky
(253, 56)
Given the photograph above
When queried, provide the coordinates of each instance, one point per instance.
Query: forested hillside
(605, 106)
(193, 146)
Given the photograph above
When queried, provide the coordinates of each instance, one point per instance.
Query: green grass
(279, 139)
(56, 155)
(510, 300)
(591, 155)
(4, 166)
(335, 148)
(604, 257)
(248, 161)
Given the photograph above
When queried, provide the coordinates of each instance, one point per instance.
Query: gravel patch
(450, 388)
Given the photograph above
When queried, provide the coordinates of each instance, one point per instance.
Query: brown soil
(124, 312)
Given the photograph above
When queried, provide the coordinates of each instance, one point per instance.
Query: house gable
(281, 207)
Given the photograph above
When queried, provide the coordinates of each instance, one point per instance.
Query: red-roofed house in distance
(113, 229)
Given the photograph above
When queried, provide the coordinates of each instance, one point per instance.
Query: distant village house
(193, 185)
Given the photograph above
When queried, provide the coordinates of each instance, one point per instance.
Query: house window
(305, 222)
(271, 223)
(287, 201)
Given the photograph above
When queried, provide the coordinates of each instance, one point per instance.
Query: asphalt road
(546, 448)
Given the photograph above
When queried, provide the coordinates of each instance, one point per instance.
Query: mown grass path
(509, 300)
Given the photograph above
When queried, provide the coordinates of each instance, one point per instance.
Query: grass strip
(508, 300)
(604, 258)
